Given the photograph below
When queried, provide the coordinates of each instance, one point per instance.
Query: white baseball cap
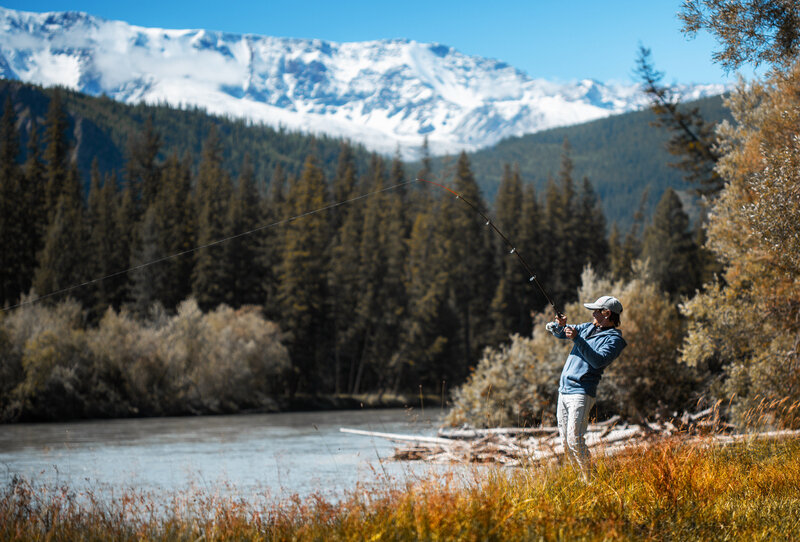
(606, 302)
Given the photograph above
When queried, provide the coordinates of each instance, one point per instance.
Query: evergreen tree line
(398, 291)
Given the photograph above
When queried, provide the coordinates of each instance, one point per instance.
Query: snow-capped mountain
(383, 94)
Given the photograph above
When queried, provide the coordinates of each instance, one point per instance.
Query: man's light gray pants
(573, 419)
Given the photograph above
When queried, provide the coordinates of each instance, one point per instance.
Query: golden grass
(673, 490)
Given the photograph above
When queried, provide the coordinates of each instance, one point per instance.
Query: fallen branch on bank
(522, 445)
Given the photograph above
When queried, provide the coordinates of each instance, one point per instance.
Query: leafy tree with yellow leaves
(745, 329)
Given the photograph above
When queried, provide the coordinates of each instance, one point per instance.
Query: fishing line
(510, 245)
(201, 247)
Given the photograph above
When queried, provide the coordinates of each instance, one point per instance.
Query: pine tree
(393, 242)
(63, 261)
(126, 221)
(591, 229)
(470, 258)
(35, 220)
(146, 277)
(243, 252)
(670, 249)
(12, 211)
(273, 211)
(103, 237)
(212, 276)
(692, 138)
(56, 153)
(372, 269)
(175, 217)
(508, 309)
(429, 325)
(344, 281)
(303, 280)
(532, 248)
(142, 168)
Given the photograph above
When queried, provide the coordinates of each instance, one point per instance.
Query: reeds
(673, 490)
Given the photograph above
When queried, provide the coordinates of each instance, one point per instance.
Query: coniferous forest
(210, 266)
(396, 292)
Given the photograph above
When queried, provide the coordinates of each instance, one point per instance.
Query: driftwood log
(523, 445)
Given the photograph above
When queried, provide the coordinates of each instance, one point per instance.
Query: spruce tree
(429, 324)
(470, 258)
(243, 251)
(56, 153)
(303, 280)
(619, 263)
(212, 276)
(556, 260)
(570, 257)
(35, 220)
(273, 212)
(63, 263)
(344, 281)
(142, 168)
(146, 277)
(175, 217)
(591, 229)
(421, 198)
(344, 184)
(102, 242)
(126, 221)
(393, 239)
(533, 248)
(372, 269)
(670, 249)
(508, 312)
(12, 211)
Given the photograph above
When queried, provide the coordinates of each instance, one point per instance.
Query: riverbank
(673, 490)
(273, 405)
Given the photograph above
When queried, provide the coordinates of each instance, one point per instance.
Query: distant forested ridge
(623, 155)
(195, 264)
(101, 129)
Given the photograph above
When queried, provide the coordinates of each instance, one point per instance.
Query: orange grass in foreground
(670, 491)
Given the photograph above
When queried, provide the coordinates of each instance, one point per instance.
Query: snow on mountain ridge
(384, 94)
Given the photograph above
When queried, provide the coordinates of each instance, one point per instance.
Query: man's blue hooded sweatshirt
(589, 358)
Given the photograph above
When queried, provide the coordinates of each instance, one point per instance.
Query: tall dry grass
(674, 490)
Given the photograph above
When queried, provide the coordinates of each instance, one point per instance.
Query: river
(275, 454)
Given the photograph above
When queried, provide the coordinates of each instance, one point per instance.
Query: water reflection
(278, 454)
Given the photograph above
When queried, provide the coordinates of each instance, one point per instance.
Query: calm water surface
(278, 454)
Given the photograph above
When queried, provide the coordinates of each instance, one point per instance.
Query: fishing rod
(510, 245)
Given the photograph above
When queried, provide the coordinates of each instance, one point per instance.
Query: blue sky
(548, 39)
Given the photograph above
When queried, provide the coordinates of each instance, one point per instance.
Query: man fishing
(595, 345)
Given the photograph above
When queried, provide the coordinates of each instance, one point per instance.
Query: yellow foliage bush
(222, 361)
(746, 328)
(517, 384)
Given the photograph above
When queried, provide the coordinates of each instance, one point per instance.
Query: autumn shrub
(517, 383)
(225, 359)
(745, 328)
(188, 363)
(49, 344)
(513, 385)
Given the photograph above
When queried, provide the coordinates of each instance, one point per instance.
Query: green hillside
(621, 155)
(102, 128)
